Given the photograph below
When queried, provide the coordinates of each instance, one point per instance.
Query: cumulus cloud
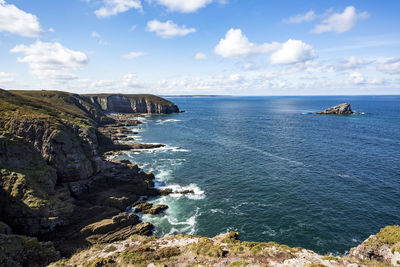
(184, 6)
(114, 7)
(307, 17)
(51, 61)
(341, 22)
(356, 78)
(391, 66)
(353, 62)
(293, 51)
(130, 80)
(236, 44)
(131, 55)
(200, 56)
(17, 21)
(168, 29)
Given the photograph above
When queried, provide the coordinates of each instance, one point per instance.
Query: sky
(201, 47)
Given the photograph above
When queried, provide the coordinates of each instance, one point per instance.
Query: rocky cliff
(133, 103)
(228, 250)
(54, 179)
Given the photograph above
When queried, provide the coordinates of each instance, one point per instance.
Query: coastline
(80, 205)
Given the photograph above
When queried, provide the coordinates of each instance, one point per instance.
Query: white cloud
(235, 44)
(17, 21)
(293, 51)
(114, 7)
(95, 35)
(340, 22)
(307, 17)
(168, 29)
(131, 55)
(200, 56)
(353, 63)
(184, 6)
(130, 81)
(6, 77)
(391, 66)
(51, 60)
(356, 78)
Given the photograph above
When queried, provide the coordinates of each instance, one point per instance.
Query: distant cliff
(133, 103)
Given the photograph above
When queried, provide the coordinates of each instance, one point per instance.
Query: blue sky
(234, 47)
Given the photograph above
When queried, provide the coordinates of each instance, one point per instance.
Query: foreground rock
(18, 250)
(382, 247)
(222, 250)
(342, 109)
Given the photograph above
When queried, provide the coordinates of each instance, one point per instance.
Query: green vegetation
(142, 255)
(330, 258)
(206, 247)
(21, 250)
(390, 235)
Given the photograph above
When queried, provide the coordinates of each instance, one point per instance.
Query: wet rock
(156, 209)
(142, 205)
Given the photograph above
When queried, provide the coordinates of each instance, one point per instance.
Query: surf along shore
(64, 197)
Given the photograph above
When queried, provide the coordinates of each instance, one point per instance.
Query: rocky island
(342, 109)
(65, 202)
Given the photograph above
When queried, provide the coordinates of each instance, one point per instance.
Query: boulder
(156, 209)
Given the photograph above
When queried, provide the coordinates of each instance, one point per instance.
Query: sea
(263, 167)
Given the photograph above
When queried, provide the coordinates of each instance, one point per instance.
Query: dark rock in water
(142, 205)
(342, 109)
(157, 209)
(165, 191)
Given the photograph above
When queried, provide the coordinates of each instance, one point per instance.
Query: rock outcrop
(222, 250)
(342, 109)
(382, 247)
(54, 177)
(133, 103)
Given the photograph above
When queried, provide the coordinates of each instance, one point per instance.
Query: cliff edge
(133, 103)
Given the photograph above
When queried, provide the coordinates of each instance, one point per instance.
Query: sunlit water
(260, 166)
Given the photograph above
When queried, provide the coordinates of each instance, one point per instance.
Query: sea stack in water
(342, 109)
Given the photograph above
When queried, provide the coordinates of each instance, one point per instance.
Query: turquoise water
(262, 167)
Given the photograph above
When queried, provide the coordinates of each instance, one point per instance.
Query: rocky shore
(66, 199)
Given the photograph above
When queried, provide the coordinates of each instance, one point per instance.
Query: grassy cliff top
(153, 98)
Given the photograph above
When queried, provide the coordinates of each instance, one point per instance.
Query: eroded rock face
(134, 104)
(383, 247)
(342, 109)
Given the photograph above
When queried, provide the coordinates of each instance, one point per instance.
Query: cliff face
(133, 104)
(50, 148)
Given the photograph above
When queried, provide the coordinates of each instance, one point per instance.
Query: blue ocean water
(262, 167)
